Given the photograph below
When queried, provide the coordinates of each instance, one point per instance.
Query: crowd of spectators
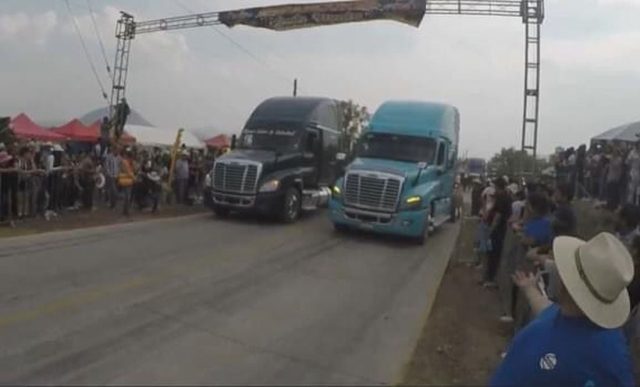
(609, 172)
(573, 303)
(40, 179)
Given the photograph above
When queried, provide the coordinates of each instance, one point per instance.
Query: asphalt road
(198, 300)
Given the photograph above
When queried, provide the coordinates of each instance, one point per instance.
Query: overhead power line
(86, 51)
(102, 49)
(240, 46)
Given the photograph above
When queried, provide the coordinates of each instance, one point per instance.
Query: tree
(354, 119)
(511, 162)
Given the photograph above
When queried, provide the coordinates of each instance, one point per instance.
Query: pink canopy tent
(23, 127)
(125, 138)
(75, 130)
(218, 142)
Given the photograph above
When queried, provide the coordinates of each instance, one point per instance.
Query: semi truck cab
(401, 181)
(285, 161)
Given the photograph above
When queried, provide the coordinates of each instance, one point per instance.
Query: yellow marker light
(413, 199)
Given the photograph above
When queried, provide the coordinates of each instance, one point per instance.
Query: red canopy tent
(23, 127)
(75, 130)
(125, 138)
(218, 142)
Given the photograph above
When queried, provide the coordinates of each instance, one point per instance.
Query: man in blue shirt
(576, 342)
(537, 229)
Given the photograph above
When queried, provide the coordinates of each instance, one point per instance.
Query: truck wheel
(341, 228)
(221, 212)
(291, 206)
(419, 240)
(453, 216)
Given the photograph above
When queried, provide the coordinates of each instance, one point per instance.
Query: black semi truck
(285, 160)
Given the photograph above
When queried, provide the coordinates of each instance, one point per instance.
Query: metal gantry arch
(531, 12)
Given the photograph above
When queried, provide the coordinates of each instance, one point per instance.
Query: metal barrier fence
(37, 193)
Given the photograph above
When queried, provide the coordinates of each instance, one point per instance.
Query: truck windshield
(395, 147)
(274, 139)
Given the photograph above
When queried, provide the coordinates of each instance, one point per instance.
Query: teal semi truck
(401, 180)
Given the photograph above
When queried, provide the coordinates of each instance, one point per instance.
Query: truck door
(312, 157)
(329, 163)
(441, 161)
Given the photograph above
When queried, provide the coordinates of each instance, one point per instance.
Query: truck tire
(340, 228)
(221, 212)
(422, 238)
(453, 216)
(291, 206)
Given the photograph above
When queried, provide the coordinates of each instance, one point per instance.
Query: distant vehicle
(401, 181)
(286, 160)
(476, 168)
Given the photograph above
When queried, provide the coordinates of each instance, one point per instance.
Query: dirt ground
(462, 341)
(70, 220)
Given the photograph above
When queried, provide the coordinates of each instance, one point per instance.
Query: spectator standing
(497, 221)
(576, 342)
(121, 116)
(627, 221)
(182, 177)
(581, 160)
(537, 227)
(105, 136)
(8, 186)
(87, 171)
(614, 180)
(564, 218)
(126, 179)
(112, 162)
(633, 166)
(517, 207)
(476, 196)
(26, 168)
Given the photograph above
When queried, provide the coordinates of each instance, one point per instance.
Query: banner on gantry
(294, 16)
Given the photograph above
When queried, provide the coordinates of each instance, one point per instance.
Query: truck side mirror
(234, 140)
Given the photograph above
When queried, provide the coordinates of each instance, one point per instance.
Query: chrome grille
(235, 177)
(372, 190)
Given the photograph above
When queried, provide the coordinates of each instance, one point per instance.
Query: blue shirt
(554, 350)
(539, 229)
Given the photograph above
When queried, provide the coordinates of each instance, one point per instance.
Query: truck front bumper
(264, 203)
(404, 223)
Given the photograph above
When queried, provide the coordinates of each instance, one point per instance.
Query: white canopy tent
(626, 133)
(152, 136)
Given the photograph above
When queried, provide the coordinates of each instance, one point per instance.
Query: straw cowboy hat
(596, 274)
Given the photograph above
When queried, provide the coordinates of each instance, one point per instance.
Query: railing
(38, 193)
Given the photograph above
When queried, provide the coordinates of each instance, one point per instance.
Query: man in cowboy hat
(577, 341)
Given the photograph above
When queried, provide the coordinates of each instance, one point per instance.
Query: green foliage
(354, 119)
(512, 162)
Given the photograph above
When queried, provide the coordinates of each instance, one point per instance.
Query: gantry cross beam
(531, 12)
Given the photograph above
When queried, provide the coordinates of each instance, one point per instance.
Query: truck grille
(235, 177)
(372, 191)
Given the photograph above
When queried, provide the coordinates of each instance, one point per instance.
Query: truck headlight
(270, 186)
(413, 201)
(336, 191)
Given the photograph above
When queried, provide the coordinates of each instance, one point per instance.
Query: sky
(199, 78)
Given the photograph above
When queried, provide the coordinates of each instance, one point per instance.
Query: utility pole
(295, 87)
